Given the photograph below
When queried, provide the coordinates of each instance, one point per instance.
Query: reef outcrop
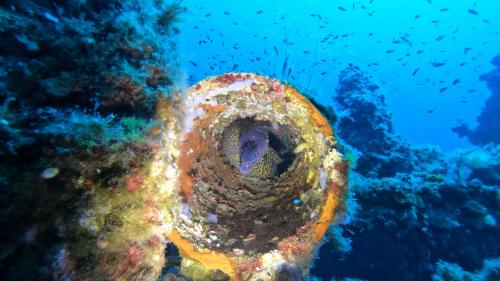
(80, 85)
(418, 220)
(364, 123)
(488, 128)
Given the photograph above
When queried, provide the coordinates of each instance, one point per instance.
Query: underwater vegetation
(113, 169)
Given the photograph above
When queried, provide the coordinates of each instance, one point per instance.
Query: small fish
(435, 21)
(439, 38)
(207, 15)
(389, 51)
(323, 73)
(285, 65)
(259, 12)
(443, 89)
(437, 64)
(444, 10)
(466, 50)
(430, 111)
(417, 17)
(456, 81)
(50, 17)
(396, 42)
(473, 12)
(415, 71)
(226, 13)
(234, 66)
(275, 50)
(342, 8)
(193, 63)
(419, 52)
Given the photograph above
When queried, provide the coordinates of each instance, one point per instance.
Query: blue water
(240, 36)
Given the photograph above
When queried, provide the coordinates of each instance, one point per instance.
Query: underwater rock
(452, 272)
(80, 84)
(480, 164)
(488, 128)
(96, 59)
(249, 149)
(364, 123)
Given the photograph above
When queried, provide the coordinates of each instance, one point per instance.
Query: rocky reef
(417, 214)
(488, 128)
(80, 85)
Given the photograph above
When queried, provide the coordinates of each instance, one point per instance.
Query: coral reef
(89, 57)
(488, 128)
(80, 85)
(364, 123)
(452, 272)
(410, 216)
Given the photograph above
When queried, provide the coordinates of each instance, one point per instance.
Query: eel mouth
(257, 148)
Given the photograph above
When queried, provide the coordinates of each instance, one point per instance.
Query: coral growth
(411, 215)
(364, 123)
(80, 82)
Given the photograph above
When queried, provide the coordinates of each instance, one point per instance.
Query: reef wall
(488, 128)
(365, 124)
(415, 210)
(80, 84)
